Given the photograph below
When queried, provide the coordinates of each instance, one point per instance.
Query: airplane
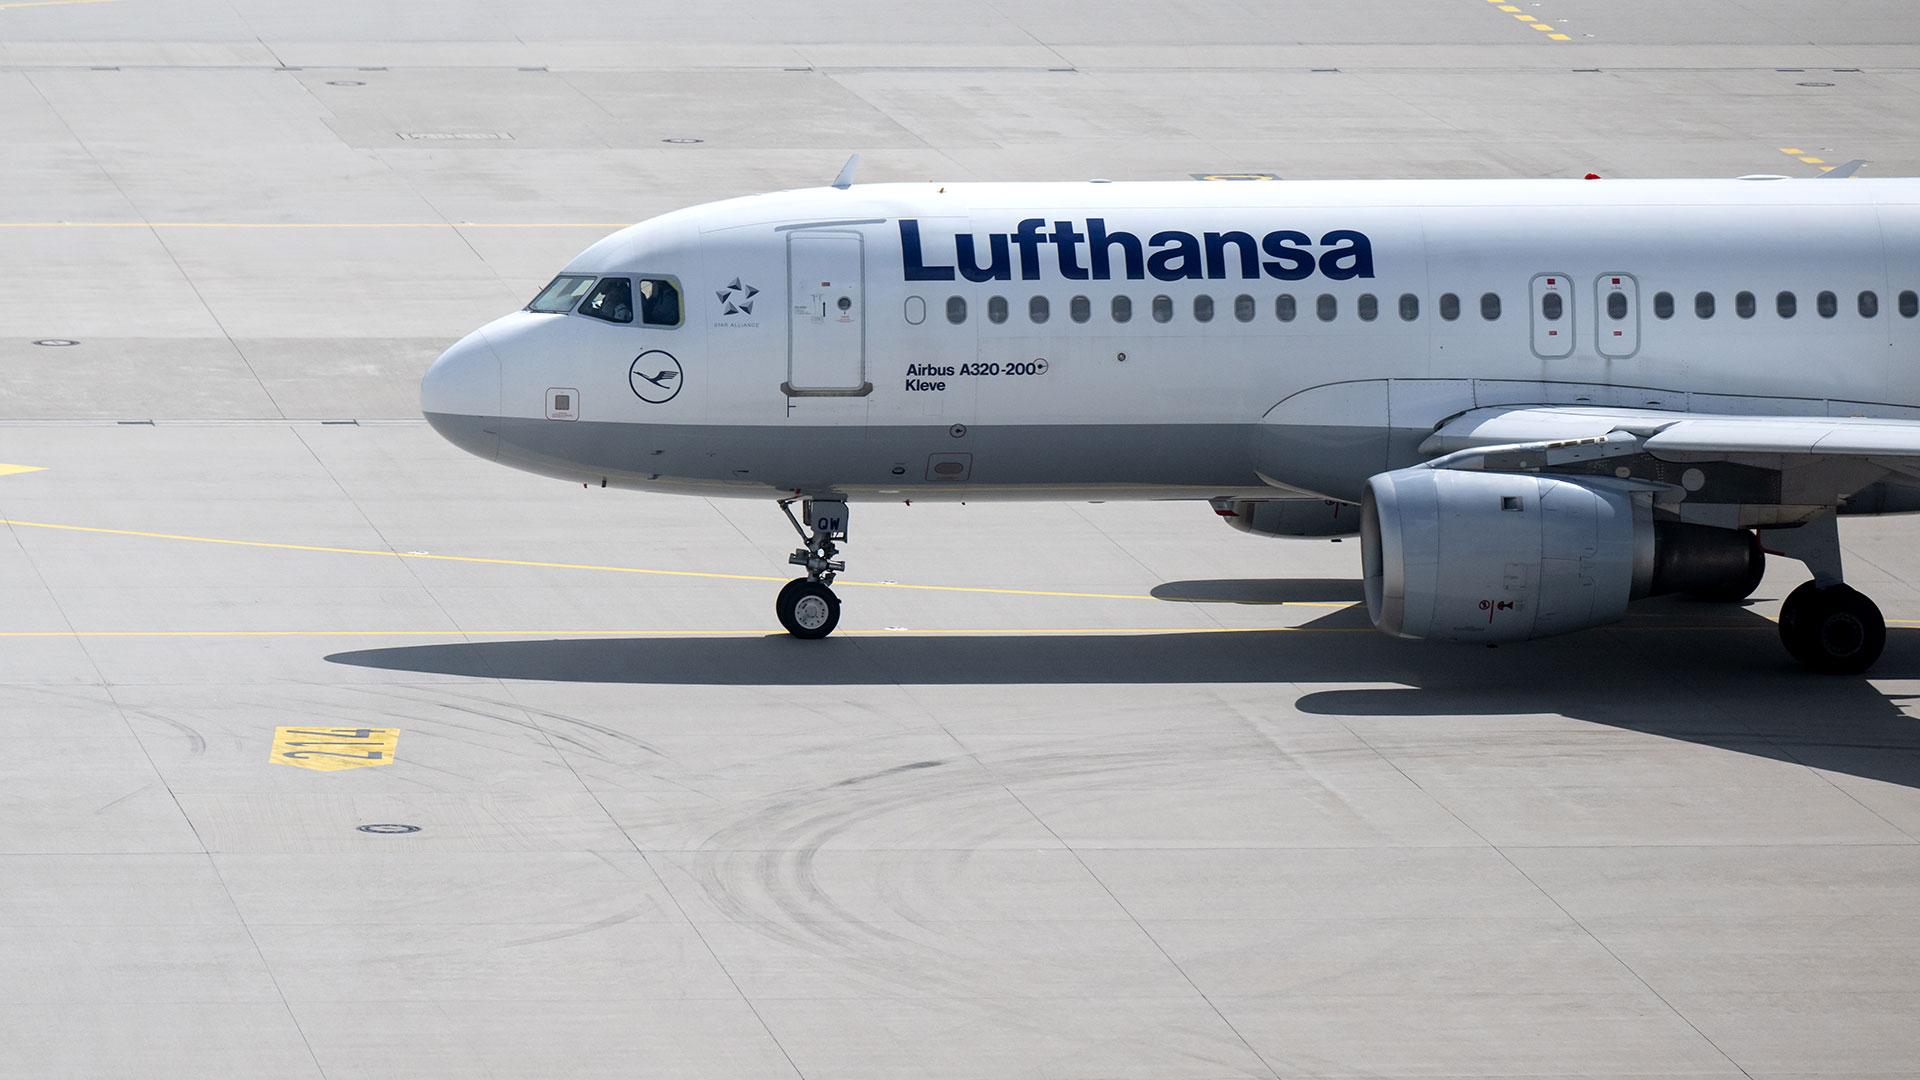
(1534, 401)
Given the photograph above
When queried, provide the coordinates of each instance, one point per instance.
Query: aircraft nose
(460, 395)
(465, 381)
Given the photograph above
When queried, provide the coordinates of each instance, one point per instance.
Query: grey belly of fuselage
(1065, 461)
(1094, 461)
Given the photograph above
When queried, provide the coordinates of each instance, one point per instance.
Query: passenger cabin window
(1038, 309)
(1243, 308)
(1909, 304)
(996, 309)
(1869, 304)
(1552, 306)
(1703, 305)
(1827, 304)
(611, 299)
(1122, 309)
(562, 294)
(956, 309)
(1663, 305)
(1285, 307)
(1326, 307)
(1368, 307)
(1490, 306)
(1449, 306)
(659, 302)
(1203, 309)
(1786, 305)
(1743, 305)
(1079, 309)
(1409, 307)
(1163, 309)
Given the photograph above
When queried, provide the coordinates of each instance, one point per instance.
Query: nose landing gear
(807, 607)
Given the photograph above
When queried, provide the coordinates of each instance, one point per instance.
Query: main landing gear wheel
(1833, 629)
(807, 609)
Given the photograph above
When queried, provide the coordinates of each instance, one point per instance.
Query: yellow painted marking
(52, 3)
(1794, 150)
(331, 749)
(16, 470)
(1560, 37)
(1809, 159)
(1524, 18)
(1508, 7)
(314, 224)
(1828, 168)
(1542, 26)
(536, 564)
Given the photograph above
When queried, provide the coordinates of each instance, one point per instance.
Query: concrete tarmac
(1119, 793)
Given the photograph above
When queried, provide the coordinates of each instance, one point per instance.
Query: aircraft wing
(1717, 469)
(1691, 434)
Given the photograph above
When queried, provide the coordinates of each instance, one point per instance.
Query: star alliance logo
(737, 299)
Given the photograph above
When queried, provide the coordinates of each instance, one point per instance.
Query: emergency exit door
(826, 315)
(1552, 300)
(1617, 322)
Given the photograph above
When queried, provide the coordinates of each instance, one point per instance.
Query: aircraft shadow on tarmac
(1710, 675)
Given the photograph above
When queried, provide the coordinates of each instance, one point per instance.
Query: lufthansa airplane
(1535, 401)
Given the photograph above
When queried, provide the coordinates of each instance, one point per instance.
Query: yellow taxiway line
(595, 567)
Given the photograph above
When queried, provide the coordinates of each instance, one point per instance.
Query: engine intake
(1478, 556)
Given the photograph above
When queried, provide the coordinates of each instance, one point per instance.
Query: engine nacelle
(1290, 517)
(1480, 556)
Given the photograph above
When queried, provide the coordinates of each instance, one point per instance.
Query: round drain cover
(56, 342)
(389, 830)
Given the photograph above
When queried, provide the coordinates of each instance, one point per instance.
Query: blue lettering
(910, 255)
(1293, 263)
(1351, 255)
(1170, 255)
(1179, 245)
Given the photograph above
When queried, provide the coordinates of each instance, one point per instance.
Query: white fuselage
(963, 341)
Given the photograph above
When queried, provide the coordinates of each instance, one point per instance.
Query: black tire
(1833, 630)
(1738, 589)
(807, 609)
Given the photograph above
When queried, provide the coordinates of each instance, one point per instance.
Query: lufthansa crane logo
(655, 376)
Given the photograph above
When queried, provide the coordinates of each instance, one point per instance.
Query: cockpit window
(660, 302)
(611, 299)
(560, 296)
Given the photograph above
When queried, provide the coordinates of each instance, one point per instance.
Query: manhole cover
(345, 82)
(56, 342)
(389, 830)
(683, 142)
(1813, 84)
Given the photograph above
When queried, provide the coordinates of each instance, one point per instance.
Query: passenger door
(826, 315)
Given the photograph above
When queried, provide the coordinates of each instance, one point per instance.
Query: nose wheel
(807, 607)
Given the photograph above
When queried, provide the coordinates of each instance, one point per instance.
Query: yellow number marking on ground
(330, 749)
(15, 470)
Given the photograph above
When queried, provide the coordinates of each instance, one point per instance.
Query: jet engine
(1290, 517)
(1484, 556)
